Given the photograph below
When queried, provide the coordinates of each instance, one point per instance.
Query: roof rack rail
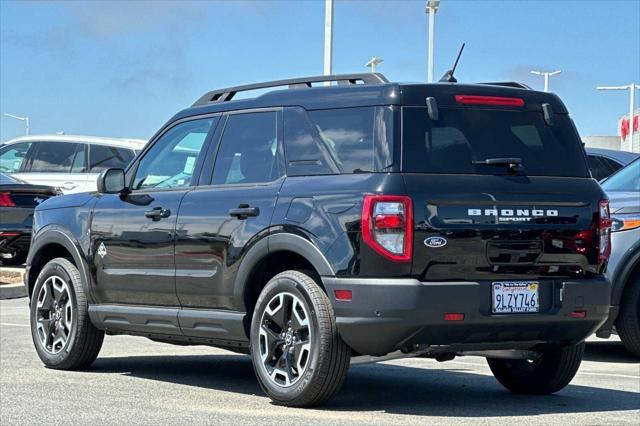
(223, 95)
(509, 84)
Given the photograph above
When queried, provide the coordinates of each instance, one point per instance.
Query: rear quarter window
(461, 136)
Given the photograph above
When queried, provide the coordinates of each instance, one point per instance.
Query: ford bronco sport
(310, 225)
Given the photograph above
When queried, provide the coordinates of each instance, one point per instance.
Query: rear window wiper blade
(498, 162)
(514, 165)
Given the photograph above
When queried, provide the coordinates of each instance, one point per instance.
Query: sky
(122, 69)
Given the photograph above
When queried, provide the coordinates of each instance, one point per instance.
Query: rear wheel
(550, 372)
(628, 321)
(298, 356)
(61, 330)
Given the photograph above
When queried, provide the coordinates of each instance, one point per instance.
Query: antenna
(448, 76)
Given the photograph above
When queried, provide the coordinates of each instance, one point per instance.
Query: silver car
(623, 189)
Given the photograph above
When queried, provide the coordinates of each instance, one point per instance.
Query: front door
(132, 235)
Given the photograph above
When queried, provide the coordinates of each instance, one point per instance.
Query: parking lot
(135, 379)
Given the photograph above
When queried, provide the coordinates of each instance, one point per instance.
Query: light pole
(631, 87)
(373, 62)
(328, 38)
(546, 77)
(25, 119)
(432, 8)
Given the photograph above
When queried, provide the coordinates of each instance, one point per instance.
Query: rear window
(461, 136)
(105, 157)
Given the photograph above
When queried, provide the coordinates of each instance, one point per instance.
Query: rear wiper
(513, 164)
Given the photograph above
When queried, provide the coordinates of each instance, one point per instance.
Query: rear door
(232, 208)
(476, 221)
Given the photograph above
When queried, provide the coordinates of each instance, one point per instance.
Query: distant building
(607, 142)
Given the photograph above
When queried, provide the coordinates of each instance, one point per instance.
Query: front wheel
(61, 330)
(550, 372)
(298, 356)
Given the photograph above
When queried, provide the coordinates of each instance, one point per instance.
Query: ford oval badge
(435, 242)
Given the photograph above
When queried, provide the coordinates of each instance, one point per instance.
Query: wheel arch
(50, 243)
(630, 265)
(270, 256)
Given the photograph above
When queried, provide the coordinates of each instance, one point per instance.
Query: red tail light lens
(5, 200)
(489, 100)
(387, 226)
(604, 232)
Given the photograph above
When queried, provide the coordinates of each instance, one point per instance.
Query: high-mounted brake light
(604, 232)
(489, 100)
(5, 200)
(387, 226)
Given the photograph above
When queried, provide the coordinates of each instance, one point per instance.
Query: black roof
(375, 90)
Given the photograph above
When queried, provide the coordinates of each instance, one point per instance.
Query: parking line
(608, 375)
(14, 325)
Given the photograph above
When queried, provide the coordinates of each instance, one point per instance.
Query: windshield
(463, 137)
(627, 179)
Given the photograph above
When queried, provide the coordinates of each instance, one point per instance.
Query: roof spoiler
(509, 84)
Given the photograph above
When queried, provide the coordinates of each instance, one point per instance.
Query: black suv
(311, 225)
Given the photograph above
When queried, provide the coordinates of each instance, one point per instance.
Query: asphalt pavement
(136, 381)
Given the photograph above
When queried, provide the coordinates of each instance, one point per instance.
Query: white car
(70, 163)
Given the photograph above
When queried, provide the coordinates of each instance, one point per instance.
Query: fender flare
(621, 275)
(271, 244)
(56, 234)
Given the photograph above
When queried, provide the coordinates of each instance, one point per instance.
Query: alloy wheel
(285, 339)
(54, 314)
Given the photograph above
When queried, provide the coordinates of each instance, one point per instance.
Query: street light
(631, 87)
(373, 62)
(328, 38)
(25, 119)
(546, 77)
(432, 8)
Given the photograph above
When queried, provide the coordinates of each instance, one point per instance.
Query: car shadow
(457, 392)
(609, 351)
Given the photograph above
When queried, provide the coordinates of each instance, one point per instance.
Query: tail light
(604, 232)
(387, 226)
(5, 200)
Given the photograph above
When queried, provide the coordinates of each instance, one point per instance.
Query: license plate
(515, 297)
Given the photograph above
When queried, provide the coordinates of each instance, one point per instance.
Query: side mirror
(111, 181)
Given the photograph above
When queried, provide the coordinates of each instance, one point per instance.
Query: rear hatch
(499, 191)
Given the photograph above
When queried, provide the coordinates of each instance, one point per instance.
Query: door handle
(244, 211)
(157, 213)
(68, 186)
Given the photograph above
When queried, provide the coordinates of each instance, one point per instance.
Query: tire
(17, 259)
(628, 321)
(550, 373)
(317, 358)
(61, 330)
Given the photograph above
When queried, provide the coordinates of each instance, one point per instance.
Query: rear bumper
(389, 314)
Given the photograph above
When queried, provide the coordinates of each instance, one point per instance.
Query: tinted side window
(104, 157)
(12, 157)
(172, 159)
(305, 153)
(248, 149)
(611, 165)
(56, 157)
(598, 170)
(348, 134)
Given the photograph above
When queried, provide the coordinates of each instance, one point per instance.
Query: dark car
(623, 189)
(605, 162)
(18, 200)
(311, 225)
